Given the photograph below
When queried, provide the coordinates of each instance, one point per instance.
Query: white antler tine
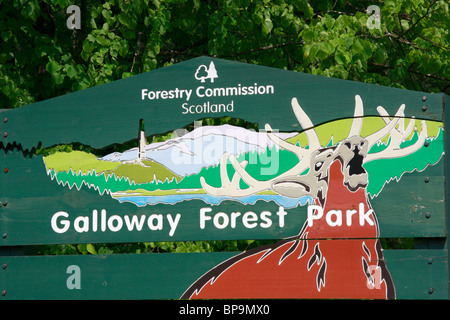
(209, 189)
(374, 137)
(418, 144)
(423, 133)
(306, 124)
(410, 127)
(357, 117)
(396, 152)
(284, 144)
(223, 170)
(236, 177)
(401, 111)
(384, 114)
(401, 122)
(244, 174)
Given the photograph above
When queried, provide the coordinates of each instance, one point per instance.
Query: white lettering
(143, 93)
(166, 94)
(224, 217)
(365, 216)
(103, 218)
(349, 215)
(134, 222)
(173, 223)
(203, 217)
(85, 227)
(267, 222)
(202, 92)
(94, 220)
(249, 220)
(334, 218)
(201, 95)
(184, 106)
(159, 222)
(207, 311)
(338, 218)
(281, 213)
(207, 107)
(65, 223)
(118, 225)
(61, 224)
(188, 94)
(240, 90)
(234, 216)
(314, 216)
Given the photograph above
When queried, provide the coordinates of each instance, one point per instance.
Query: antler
(397, 135)
(357, 118)
(231, 188)
(228, 187)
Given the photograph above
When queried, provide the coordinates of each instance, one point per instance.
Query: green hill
(83, 162)
(142, 174)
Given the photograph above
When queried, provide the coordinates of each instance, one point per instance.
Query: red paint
(269, 273)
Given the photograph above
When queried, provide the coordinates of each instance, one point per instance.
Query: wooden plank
(417, 274)
(356, 194)
(329, 179)
(446, 108)
(134, 276)
(31, 205)
(110, 113)
(33, 199)
(413, 206)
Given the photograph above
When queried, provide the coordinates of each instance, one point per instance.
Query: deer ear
(292, 187)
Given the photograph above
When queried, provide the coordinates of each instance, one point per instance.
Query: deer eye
(348, 145)
(318, 165)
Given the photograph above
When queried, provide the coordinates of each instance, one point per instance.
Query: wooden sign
(210, 149)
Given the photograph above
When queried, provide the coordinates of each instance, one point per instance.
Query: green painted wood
(133, 276)
(446, 108)
(110, 113)
(26, 219)
(413, 204)
(416, 273)
(33, 199)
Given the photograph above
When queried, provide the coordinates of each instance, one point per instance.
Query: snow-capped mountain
(202, 147)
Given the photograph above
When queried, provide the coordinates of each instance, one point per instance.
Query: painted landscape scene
(171, 171)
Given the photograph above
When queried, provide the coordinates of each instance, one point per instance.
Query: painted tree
(212, 72)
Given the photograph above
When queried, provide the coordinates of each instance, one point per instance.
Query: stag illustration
(310, 265)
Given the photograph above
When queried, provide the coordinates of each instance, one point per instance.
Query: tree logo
(203, 72)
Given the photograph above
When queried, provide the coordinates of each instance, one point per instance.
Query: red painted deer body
(310, 265)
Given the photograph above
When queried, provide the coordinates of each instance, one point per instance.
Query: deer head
(352, 152)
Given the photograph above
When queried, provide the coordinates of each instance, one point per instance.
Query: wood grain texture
(39, 207)
(110, 113)
(168, 276)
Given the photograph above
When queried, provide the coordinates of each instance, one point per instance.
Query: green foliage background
(41, 58)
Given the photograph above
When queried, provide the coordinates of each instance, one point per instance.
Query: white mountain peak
(202, 147)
